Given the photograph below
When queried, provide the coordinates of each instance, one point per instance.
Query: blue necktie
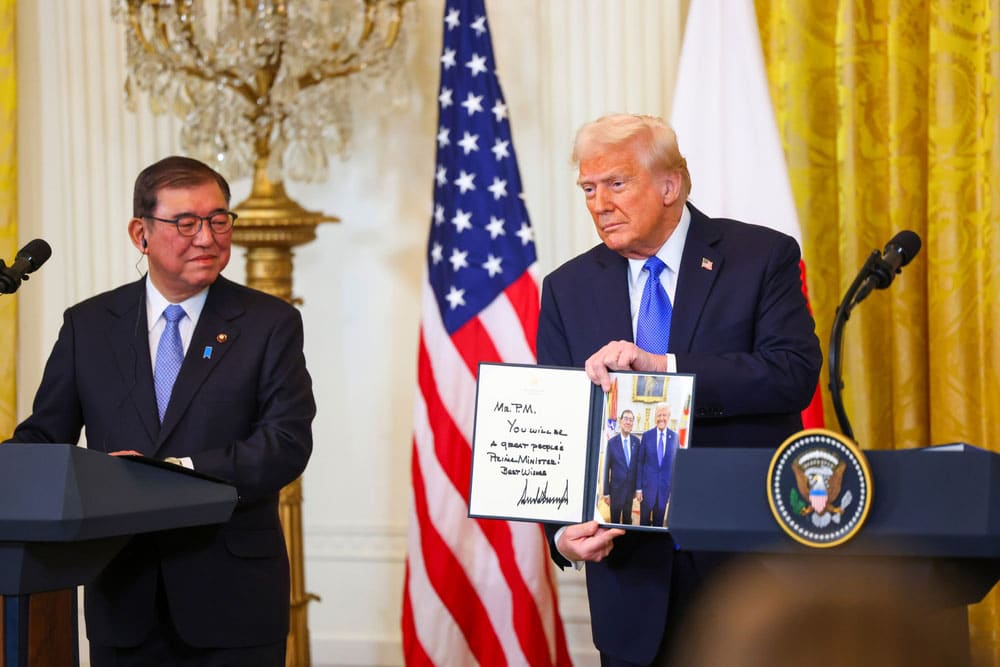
(652, 329)
(626, 441)
(659, 458)
(169, 356)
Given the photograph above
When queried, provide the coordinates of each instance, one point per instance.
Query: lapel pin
(706, 263)
(207, 354)
(222, 338)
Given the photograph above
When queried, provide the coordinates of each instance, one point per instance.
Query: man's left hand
(621, 355)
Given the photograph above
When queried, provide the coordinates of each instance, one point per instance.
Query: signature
(542, 497)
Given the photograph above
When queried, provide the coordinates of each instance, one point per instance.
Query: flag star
(464, 182)
(445, 99)
(455, 297)
(448, 58)
(525, 234)
(437, 253)
(442, 175)
(499, 188)
(499, 110)
(495, 228)
(468, 143)
(499, 148)
(477, 64)
(458, 259)
(462, 221)
(438, 214)
(479, 25)
(493, 265)
(443, 139)
(452, 19)
(473, 103)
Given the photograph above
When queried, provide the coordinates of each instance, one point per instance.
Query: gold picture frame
(649, 388)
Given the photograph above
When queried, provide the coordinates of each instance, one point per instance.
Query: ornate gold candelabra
(260, 85)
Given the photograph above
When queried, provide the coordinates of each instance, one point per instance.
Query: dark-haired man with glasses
(186, 366)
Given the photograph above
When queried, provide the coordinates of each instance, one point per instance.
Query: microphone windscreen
(36, 253)
(907, 244)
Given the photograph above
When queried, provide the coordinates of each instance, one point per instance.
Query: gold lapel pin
(222, 338)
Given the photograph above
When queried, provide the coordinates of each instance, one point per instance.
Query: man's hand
(607, 499)
(587, 541)
(125, 452)
(638, 496)
(621, 355)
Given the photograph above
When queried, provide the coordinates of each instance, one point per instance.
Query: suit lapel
(610, 295)
(128, 336)
(212, 339)
(700, 266)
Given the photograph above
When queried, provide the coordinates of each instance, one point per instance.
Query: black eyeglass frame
(202, 219)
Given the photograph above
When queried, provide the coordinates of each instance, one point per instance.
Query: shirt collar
(156, 303)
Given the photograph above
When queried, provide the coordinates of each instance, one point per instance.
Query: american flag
(476, 591)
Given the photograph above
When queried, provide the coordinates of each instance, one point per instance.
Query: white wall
(561, 62)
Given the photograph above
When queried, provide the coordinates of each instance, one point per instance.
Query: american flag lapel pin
(706, 263)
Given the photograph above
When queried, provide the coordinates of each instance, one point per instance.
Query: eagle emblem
(819, 476)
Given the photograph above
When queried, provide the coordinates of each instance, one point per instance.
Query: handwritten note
(530, 443)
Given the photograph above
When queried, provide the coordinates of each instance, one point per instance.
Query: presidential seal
(819, 487)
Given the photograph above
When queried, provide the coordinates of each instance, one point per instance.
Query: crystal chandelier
(261, 83)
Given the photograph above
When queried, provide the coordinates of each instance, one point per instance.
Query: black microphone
(898, 252)
(879, 270)
(29, 258)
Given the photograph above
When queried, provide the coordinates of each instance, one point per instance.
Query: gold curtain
(889, 111)
(8, 213)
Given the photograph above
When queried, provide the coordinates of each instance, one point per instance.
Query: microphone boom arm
(859, 289)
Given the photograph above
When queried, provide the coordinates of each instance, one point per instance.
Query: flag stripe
(459, 595)
(463, 537)
(415, 654)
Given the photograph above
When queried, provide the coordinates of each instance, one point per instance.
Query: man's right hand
(587, 541)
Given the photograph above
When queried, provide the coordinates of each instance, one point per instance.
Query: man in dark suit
(656, 462)
(240, 409)
(739, 323)
(620, 473)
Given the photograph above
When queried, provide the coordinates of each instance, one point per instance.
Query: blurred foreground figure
(797, 614)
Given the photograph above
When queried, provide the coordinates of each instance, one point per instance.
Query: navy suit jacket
(743, 328)
(654, 475)
(620, 477)
(242, 412)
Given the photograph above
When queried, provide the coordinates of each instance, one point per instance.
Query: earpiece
(144, 244)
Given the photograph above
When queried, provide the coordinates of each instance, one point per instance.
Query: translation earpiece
(144, 244)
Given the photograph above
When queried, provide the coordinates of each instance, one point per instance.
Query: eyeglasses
(189, 225)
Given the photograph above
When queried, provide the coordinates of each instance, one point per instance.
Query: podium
(65, 512)
(933, 529)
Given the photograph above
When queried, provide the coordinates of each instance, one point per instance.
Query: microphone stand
(859, 289)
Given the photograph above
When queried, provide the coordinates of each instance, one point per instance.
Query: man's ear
(137, 234)
(671, 188)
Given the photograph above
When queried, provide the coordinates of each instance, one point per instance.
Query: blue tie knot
(655, 267)
(173, 313)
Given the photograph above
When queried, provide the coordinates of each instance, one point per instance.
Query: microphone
(898, 252)
(29, 259)
(877, 273)
(879, 270)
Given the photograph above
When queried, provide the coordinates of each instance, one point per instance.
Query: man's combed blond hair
(658, 152)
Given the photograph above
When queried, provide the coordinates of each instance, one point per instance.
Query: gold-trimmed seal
(819, 487)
